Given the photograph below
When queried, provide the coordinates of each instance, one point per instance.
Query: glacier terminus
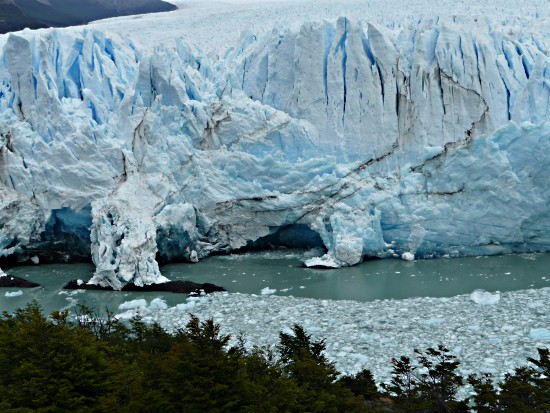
(424, 139)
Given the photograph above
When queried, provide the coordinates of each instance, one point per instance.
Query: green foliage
(304, 359)
(98, 364)
(439, 381)
(485, 396)
(403, 385)
(528, 388)
(103, 327)
(362, 384)
(304, 362)
(431, 386)
(48, 367)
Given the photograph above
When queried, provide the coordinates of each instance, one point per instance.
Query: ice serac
(410, 142)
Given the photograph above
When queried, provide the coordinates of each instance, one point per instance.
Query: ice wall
(430, 140)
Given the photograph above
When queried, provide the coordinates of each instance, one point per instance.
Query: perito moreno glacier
(423, 140)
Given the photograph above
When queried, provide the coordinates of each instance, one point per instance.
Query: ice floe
(486, 338)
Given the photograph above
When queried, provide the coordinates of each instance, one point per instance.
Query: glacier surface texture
(424, 140)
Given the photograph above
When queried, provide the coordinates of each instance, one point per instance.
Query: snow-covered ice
(385, 131)
(13, 293)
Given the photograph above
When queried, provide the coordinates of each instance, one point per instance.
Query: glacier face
(431, 139)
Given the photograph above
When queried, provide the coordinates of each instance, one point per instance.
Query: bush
(101, 365)
(47, 366)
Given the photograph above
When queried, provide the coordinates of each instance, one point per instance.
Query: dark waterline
(283, 271)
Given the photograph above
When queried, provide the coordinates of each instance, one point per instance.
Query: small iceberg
(268, 291)
(484, 297)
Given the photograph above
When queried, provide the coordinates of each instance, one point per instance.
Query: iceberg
(406, 141)
(484, 297)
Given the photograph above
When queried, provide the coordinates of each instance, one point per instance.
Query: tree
(361, 384)
(439, 381)
(528, 388)
(304, 362)
(304, 359)
(485, 398)
(48, 366)
(431, 386)
(403, 385)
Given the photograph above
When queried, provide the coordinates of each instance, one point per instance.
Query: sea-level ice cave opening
(296, 236)
(65, 239)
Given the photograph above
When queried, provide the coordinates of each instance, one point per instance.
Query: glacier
(421, 140)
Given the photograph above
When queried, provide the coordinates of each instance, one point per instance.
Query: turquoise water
(283, 271)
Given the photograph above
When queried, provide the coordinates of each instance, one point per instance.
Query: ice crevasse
(422, 141)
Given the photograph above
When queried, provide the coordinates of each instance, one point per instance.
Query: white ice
(484, 297)
(388, 127)
(486, 338)
(386, 130)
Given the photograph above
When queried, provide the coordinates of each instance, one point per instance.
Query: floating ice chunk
(35, 260)
(268, 291)
(185, 306)
(158, 304)
(288, 331)
(539, 334)
(326, 261)
(133, 304)
(127, 315)
(408, 256)
(435, 321)
(535, 304)
(14, 293)
(359, 357)
(484, 297)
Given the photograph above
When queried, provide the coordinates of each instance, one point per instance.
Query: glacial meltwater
(281, 272)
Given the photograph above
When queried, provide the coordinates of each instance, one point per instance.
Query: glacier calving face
(427, 140)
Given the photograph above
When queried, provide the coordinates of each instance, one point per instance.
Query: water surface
(282, 271)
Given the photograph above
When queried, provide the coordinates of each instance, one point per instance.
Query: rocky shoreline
(9, 281)
(179, 287)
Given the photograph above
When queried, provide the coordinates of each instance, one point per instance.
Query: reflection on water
(282, 270)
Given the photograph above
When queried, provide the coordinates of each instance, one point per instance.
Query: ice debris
(507, 333)
(484, 297)
(268, 291)
(539, 334)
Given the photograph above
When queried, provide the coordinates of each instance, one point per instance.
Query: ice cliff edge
(430, 140)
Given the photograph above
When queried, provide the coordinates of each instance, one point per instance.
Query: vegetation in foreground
(49, 364)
